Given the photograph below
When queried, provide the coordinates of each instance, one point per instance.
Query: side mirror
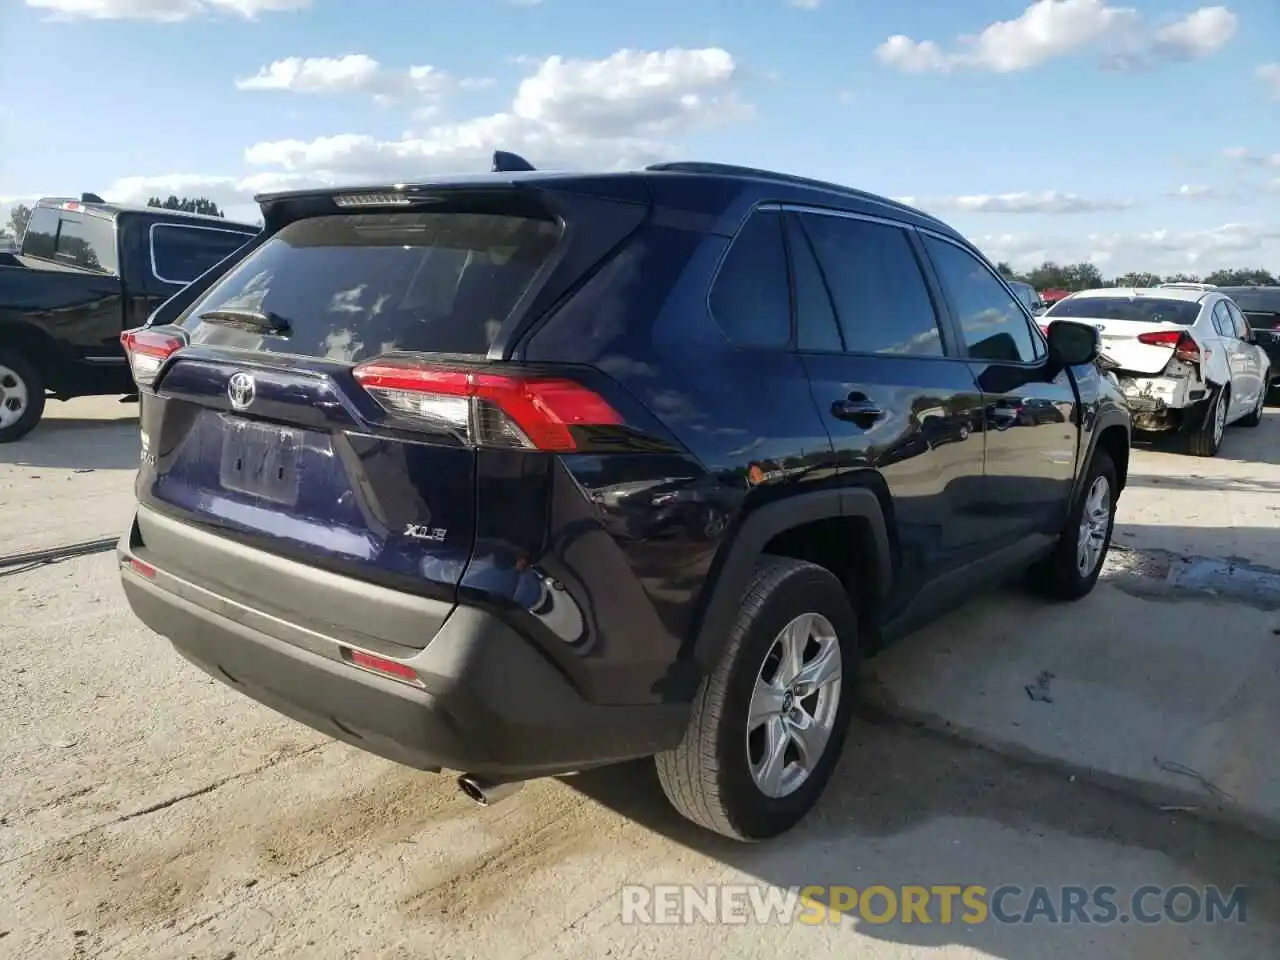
(1072, 344)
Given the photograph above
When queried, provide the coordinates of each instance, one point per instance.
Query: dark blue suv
(523, 473)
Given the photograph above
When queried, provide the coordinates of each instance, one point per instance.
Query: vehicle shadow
(74, 443)
(1260, 444)
(907, 807)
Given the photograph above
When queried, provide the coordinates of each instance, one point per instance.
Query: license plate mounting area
(261, 460)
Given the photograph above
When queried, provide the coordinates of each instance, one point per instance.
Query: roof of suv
(793, 188)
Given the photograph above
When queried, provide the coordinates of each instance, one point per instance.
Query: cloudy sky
(1142, 136)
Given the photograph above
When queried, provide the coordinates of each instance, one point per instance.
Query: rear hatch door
(257, 429)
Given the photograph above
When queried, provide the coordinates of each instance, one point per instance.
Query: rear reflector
(484, 408)
(388, 668)
(140, 568)
(1184, 348)
(147, 351)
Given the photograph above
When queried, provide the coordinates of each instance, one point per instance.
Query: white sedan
(1186, 359)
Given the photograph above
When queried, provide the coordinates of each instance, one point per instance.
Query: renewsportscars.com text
(934, 904)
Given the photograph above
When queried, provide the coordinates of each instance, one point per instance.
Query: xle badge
(418, 531)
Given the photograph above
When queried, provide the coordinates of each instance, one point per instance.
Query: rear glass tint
(179, 254)
(75, 239)
(1025, 292)
(1256, 301)
(354, 286)
(1135, 309)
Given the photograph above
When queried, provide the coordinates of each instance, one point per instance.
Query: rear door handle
(856, 410)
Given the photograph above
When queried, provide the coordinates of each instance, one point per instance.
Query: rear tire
(21, 396)
(1207, 438)
(1065, 575)
(719, 774)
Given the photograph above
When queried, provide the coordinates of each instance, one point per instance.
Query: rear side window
(1238, 320)
(82, 241)
(40, 239)
(1134, 309)
(357, 285)
(749, 297)
(816, 326)
(879, 293)
(180, 254)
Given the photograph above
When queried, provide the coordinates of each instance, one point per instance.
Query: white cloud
(1048, 201)
(619, 111)
(1269, 74)
(352, 73)
(1051, 29)
(162, 11)
(1197, 191)
(1246, 156)
(1161, 251)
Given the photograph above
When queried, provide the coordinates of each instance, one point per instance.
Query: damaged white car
(1186, 359)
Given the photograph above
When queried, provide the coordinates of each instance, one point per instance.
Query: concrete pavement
(1164, 682)
(71, 479)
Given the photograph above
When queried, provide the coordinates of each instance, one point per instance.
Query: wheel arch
(858, 510)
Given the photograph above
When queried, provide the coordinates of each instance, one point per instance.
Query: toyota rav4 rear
(352, 509)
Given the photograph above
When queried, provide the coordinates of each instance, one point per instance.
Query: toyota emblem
(241, 390)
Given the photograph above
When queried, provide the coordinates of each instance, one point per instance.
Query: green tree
(1072, 276)
(1184, 278)
(1241, 278)
(1137, 279)
(188, 205)
(18, 217)
(1007, 271)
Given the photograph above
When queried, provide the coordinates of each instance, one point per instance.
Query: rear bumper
(1147, 394)
(488, 703)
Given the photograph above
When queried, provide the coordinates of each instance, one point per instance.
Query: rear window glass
(1261, 301)
(81, 241)
(1135, 309)
(1026, 293)
(180, 254)
(356, 285)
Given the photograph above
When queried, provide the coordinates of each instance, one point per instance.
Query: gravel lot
(149, 812)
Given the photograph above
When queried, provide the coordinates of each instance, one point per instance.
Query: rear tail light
(147, 351)
(1184, 347)
(484, 408)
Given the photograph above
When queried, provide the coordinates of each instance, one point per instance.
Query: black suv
(1261, 308)
(522, 473)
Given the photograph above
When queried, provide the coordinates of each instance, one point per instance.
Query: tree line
(1085, 276)
(20, 213)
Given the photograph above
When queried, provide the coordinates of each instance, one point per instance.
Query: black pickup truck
(86, 271)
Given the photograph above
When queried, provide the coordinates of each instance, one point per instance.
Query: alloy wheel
(793, 707)
(1095, 520)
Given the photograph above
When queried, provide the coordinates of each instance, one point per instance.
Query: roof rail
(734, 170)
(507, 162)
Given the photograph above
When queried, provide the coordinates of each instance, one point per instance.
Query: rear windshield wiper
(254, 320)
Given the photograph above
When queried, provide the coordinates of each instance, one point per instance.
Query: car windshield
(1133, 309)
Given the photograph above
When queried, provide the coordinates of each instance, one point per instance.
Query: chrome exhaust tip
(484, 792)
